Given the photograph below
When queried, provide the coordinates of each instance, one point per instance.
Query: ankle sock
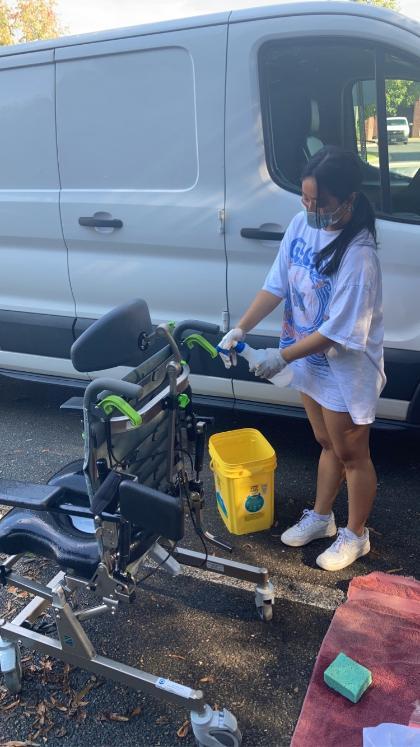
(322, 517)
(353, 536)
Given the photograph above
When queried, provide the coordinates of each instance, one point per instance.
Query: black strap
(106, 493)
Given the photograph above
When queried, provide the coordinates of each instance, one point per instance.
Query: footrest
(29, 495)
(74, 404)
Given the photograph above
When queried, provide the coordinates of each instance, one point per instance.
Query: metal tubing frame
(157, 687)
(38, 604)
(222, 566)
(44, 592)
(122, 424)
(74, 646)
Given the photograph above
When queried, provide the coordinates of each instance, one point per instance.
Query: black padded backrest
(114, 339)
(143, 450)
(160, 513)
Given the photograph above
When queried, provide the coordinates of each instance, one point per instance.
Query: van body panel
(34, 257)
(145, 146)
(125, 32)
(331, 9)
(25, 60)
(40, 365)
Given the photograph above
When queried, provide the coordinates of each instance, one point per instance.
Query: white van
(164, 162)
(398, 130)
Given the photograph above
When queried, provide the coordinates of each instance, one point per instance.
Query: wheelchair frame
(113, 582)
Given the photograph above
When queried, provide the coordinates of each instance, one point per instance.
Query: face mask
(325, 220)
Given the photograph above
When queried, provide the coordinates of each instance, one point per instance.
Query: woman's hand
(271, 363)
(228, 342)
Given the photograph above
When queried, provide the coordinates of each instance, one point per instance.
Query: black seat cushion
(49, 536)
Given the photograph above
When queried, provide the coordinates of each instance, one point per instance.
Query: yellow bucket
(243, 463)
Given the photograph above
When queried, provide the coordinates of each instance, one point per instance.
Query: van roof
(214, 19)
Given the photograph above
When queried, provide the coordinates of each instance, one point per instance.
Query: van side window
(402, 86)
(327, 93)
(28, 155)
(402, 99)
(302, 89)
(130, 118)
(364, 103)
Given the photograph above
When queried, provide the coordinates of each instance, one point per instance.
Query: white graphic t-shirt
(345, 307)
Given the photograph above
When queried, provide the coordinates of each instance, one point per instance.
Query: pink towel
(378, 626)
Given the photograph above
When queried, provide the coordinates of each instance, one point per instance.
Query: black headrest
(113, 340)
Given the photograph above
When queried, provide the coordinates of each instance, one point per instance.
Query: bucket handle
(241, 472)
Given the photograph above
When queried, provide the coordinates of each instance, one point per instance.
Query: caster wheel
(13, 682)
(265, 612)
(215, 728)
(13, 678)
(227, 738)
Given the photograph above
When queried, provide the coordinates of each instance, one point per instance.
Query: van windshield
(396, 121)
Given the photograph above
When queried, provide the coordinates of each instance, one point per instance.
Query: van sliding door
(140, 138)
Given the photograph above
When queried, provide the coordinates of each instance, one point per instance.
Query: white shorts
(318, 382)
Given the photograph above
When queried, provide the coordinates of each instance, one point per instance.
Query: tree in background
(402, 93)
(390, 4)
(399, 93)
(28, 20)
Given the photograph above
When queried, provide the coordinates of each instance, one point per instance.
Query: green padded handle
(118, 403)
(196, 339)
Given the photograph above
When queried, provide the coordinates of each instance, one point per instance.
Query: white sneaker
(344, 551)
(309, 528)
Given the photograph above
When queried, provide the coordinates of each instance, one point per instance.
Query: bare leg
(330, 469)
(351, 445)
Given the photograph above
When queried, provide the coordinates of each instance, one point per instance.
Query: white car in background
(398, 129)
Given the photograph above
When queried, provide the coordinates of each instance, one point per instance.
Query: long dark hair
(339, 172)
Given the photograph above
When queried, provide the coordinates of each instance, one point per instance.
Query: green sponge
(348, 677)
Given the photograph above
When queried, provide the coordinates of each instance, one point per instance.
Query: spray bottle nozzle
(238, 348)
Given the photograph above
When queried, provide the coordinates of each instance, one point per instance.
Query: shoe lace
(340, 541)
(304, 519)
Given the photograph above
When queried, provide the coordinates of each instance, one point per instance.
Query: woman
(328, 274)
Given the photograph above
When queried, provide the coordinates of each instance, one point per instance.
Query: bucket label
(221, 503)
(254, 502)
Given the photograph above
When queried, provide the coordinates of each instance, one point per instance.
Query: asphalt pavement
(194, 629)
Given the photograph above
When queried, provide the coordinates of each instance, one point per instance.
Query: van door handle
(259, 233)
(101, 222)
